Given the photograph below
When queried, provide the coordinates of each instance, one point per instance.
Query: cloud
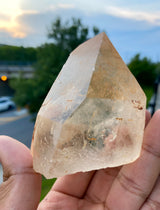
(39, 22)
(13, 32)
(59, 6)
(130, 30)
(150, 17)
(4, 17)
(31, 26)
(66, 6)
(11, 27)
(8, 38)
(45, 5)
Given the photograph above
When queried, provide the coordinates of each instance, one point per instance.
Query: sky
(133, 26)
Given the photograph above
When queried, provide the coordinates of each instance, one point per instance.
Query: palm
(88, 191)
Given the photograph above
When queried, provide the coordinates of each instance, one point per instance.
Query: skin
(135, 186)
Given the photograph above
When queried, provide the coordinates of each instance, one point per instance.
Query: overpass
(14, 69)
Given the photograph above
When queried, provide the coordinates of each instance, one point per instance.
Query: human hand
(135, 186)
(21, 188)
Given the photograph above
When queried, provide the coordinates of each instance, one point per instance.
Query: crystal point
(94, 115)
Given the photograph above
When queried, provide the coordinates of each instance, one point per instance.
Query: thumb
(22, 186)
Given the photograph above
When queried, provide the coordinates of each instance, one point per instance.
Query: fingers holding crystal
(14, 156)
(75, 184)
(101, 184)
(21, 183)
(153, 201)
(136, 180)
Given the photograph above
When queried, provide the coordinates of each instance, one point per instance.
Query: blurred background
(36, 37)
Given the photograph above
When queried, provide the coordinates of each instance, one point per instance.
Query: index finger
(74, 184)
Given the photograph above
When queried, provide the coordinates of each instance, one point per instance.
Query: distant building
(15, 69)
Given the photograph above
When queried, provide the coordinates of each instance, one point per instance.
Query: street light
(4, 78)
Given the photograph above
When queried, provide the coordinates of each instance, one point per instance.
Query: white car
(6, 103)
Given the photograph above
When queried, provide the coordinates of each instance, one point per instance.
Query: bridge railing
(17, 63)
(14, 69)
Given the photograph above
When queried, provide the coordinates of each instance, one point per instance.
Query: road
(17, 125)
(20, 129)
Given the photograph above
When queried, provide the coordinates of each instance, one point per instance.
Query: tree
(50, 59)
(145, 72)
(15, 54)
(71, 34)
(143, 69)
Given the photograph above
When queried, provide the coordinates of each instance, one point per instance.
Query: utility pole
(154, 104)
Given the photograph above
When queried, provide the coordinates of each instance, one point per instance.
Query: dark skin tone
(135, 186)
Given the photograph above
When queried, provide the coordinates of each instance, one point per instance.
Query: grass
(46, 186)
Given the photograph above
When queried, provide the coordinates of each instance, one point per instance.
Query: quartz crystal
(94, 115)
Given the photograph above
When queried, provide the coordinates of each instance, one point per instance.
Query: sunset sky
(132, 26)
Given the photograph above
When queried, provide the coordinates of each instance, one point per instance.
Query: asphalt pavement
(18, 125)
(20, 129)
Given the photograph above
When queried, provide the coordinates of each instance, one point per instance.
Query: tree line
(9, 54)
(49, 58)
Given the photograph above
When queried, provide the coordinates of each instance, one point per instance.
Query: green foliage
(143, 69)
(50, 59)
(70, 34)
(14, 53)
(149, 91)
(46, 186)
(145, 72)
(21, 97)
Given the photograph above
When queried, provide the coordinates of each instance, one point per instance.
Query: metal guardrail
(12, 71)
(17, 63)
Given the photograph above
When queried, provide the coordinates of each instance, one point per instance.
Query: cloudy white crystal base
(101, 133)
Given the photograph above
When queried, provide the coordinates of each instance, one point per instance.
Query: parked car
(6, 103)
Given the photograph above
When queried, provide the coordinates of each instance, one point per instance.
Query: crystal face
(94, 115)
